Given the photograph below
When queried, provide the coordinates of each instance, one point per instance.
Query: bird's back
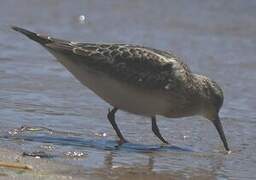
(137, 65)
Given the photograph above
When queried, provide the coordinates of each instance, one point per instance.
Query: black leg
(156, 131)
(111, 118)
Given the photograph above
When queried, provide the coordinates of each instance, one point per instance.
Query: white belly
(119, 94)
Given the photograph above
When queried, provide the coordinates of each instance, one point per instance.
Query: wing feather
(138, 65)
(145, 67)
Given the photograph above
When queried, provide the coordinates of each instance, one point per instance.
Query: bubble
(82, 19)
(100, 134)
(75, 154)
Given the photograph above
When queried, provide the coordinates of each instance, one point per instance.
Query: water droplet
(82, 19)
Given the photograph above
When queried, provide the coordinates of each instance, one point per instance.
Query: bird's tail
(34, 36)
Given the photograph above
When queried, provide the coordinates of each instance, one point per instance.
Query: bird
(139, 80)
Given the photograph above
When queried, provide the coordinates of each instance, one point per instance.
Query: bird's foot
(122, 141)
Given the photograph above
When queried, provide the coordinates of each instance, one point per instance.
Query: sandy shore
(35, 168)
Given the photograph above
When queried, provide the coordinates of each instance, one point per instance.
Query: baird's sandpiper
(139, 80)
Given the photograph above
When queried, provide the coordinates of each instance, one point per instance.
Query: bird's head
(212, 96)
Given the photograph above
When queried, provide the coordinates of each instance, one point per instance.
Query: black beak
(219, 128)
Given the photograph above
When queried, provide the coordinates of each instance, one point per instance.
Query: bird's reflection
(146, 171)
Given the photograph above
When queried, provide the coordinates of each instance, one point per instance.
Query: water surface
(44, 109)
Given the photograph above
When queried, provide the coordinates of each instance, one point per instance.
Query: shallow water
(44, 109)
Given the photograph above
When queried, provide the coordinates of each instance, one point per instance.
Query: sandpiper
(139, 80)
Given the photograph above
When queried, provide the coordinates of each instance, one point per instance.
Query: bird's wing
(138, 65)
(142, 66)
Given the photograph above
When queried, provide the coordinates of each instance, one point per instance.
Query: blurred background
(44, 108)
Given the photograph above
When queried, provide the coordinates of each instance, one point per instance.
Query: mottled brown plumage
(144, 67)
(139, 80)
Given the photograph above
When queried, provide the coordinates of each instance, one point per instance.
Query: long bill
(218, 125)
